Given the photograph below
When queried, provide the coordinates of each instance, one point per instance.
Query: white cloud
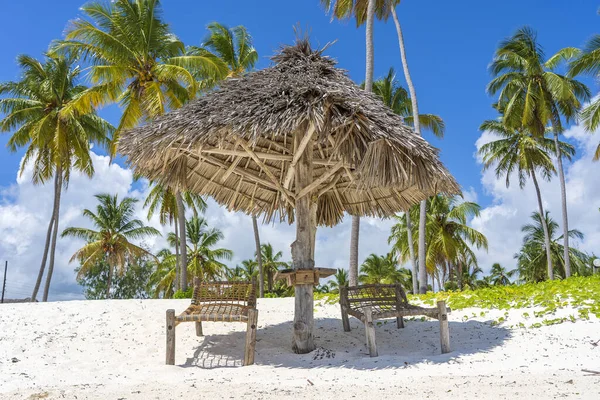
(25, 210)
(511, 208)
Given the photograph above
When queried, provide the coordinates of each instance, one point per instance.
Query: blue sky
(449, 44)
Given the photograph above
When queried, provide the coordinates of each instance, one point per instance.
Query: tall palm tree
(136, 60)
(36, 110)
(204, 259)
(364, 12)
(271, 263)
(588, 62)
(519, 151)
(534, 95)
(111, 241)
(397, 98)
(499, 275)
(531, 257)
(163, 200)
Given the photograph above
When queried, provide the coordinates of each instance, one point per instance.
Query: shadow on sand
(418, 342)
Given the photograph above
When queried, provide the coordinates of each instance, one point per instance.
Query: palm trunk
(177, 267)
(261, 277)
(109, 280)
(57, 194)
(270, 280)
(183, 242)
(544, 226)
(411, 252)
(417, 126)
(565, 217)
(460, 275)
(354, 233)
(370, 60)
(38, 282)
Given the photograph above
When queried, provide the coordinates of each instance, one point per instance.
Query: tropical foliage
(111, 241)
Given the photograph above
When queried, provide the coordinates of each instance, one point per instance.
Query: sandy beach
(116, 349)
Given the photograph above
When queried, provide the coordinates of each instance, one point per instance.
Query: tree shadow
(418, 342)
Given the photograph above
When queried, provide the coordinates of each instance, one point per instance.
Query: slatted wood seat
(377, 301)
(218, 302)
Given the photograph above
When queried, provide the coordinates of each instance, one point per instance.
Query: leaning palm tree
(397, 98)
(519, 151)
(115, 226)
(364, 12)
(533, 96)
(163, 279)
(36, 110)
(588, 62)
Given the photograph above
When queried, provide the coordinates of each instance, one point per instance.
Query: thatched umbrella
(298, 140)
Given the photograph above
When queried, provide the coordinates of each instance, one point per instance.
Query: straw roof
(236, 144)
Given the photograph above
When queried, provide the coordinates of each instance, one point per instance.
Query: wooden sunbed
(372, 302)
(218, 302)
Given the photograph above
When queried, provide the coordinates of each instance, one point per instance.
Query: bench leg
(370, 332)
(400, 322)
(444, 331)
(170, 337)
(345, 320)
(199, 329)
(250, 337)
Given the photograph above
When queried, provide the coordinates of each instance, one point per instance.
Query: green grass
(581, 293)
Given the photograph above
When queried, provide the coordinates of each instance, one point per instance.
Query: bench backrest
(374, 295)
(243, 293)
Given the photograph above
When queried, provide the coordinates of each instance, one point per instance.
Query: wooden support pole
(344, 308)
(170, 337)
(444, 331)
(250, 347)
(199, 328)
(370, 332)
(302, 248)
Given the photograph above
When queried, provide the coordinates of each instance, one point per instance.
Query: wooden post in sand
(249, 350)
(370, 332)
(170, 337)
(444, 331)
(303, 341)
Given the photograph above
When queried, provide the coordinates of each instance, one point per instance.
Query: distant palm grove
(130, 57)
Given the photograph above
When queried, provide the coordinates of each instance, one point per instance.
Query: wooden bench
(218, 302)
(371, 302)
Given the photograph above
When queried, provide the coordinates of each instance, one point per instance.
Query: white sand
(116, 350)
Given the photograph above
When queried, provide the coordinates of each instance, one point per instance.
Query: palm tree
(203, 257)
(383, 269)
(57, 140)
(271, 263)
(163, 279)
(588, 62)
(531, 257)
(162, 200)
(111, 241)
(136, 60)
(449, 237)
(397, 98)
(534, 95)
(519, 151)
(470, 277)
(499, 275)
(364, 11)
(234, 47)
(340, 279)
